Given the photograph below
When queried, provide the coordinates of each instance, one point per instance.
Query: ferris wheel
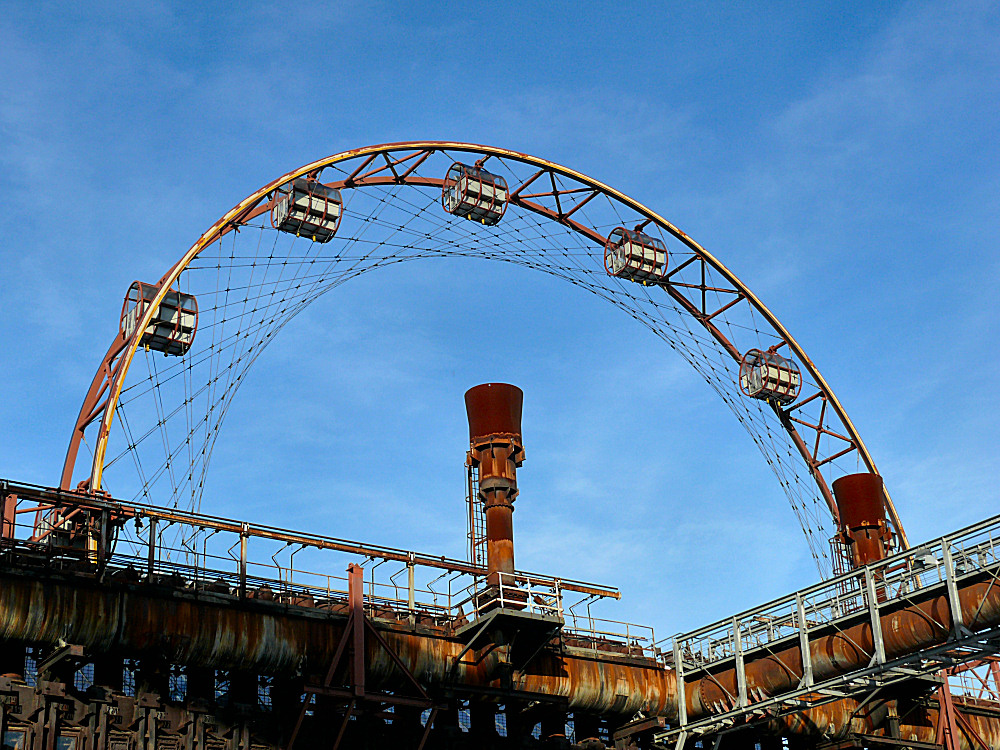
(153, 413)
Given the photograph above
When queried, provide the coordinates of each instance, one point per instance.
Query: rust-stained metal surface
(161, 618)
(209, 630)
(186, 626)
(209, 626)
(918, 721)
(167, 622)
(601, 684)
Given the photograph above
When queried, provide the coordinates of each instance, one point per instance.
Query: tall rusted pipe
(863, 527)
(494, 411)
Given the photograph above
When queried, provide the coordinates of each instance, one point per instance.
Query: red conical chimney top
(494, 409)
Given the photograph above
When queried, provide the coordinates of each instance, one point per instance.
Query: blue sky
(841, 158)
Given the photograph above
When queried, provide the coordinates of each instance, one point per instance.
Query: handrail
(895, 578)
(218, 523)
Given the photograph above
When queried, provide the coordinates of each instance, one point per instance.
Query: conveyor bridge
(905, 617)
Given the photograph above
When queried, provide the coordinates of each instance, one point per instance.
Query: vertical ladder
(477, 518)
(842, 562)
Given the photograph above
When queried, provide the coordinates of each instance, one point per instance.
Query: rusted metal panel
(601, 685)
(494, 409)
(264, 637)
(34, 610)
(918, 723)
(154, 619)
(269, 638)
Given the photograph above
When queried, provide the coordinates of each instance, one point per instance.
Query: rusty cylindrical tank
(918, 723)
(863, 527)
(268, 638)
(494, 411)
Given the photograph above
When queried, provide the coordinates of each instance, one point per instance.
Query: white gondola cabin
(473, 193)
(308, 209)
(171, 329)
(631, 255)
(768, 375)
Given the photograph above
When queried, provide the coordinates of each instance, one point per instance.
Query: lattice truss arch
(154, 432)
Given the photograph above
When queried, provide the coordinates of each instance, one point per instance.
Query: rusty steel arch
(556, 194)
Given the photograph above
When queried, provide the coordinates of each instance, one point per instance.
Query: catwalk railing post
(103, 551)
(244, 538)
(741, 675)
(355, 595)
(877, 642)
(151, 559)
(411, 594)
(807, 668)
(682, 718)
(9, 509)
(954, 604)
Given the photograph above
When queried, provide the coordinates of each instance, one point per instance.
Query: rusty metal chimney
(494, 411)
(863, 527)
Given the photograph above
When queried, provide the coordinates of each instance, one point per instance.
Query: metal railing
(210, 555)
(520, 591)
(601, 635)
(978, 681)
(545, 598)
(862, 596)
(947, 560)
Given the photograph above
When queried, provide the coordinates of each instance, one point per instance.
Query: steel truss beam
(937, 570)
(357, 696)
